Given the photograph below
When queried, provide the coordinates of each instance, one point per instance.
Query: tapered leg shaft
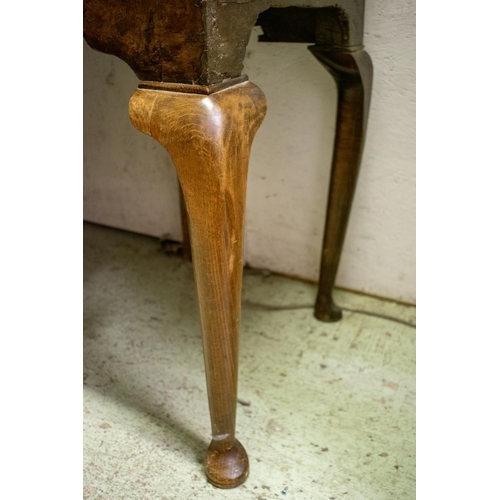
(353, 72)
(209, 139)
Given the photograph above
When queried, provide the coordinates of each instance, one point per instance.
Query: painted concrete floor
(327, 411)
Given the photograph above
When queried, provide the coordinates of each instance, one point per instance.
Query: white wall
(130, 183)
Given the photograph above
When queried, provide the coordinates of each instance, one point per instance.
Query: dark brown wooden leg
(209, 139)
(353, 72)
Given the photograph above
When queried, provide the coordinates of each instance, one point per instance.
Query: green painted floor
(327, 411)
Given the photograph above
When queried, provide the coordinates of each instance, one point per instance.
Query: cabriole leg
(209, 137)
(353, 72)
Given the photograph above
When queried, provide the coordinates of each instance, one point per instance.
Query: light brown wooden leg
(353, 72)
(209, 139)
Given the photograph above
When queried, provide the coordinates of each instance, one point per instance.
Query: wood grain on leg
(209, 137)
(353, 72)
